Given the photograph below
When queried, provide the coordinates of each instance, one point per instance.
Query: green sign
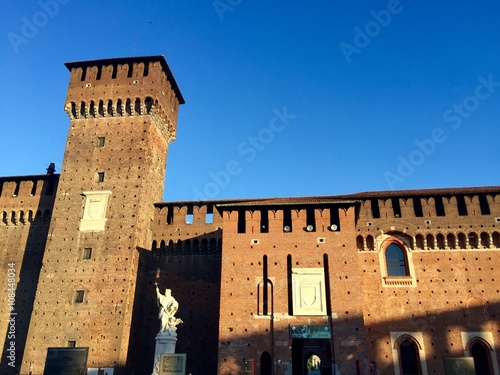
(459, 366)
(310, 332)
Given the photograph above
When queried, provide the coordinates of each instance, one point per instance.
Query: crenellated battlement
(133, 86)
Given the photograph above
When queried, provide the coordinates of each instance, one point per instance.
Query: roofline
(28, 177)
(345, 198)
(131, 60)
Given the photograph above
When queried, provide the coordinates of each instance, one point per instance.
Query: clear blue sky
(371, 95)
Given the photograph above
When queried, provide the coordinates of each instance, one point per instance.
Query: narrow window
(310, 220)
(79, 296)
(440, 241)
(209, 217)
(99, 72)
(438, 201)
(287, 220)
(100, 176)
(409, 358)
(462, 207)
(370, 242)
(100, 141)
(483, 204)
(189, 215)
(417, 207)
(146, 69)
(170, 214)
(375, 208)
(462, 241)
(395, 261)
(16, 190)
(241, 221)
(450, 240)
(290, 284)
(473, 243)
(87, 253)
(130, 70)
(265, 291)
(84, 74)
(334, 218)
(396, 207)
(419, 239)
(326, 266)
(264, 221)
(71, 344)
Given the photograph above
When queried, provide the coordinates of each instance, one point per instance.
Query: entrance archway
(311, 357)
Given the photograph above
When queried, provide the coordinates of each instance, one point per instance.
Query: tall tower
(123, 116)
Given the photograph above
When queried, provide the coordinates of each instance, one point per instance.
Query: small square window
(71, 344)
(100, 141)
(79, 296)
(100, 176)
(87, 253)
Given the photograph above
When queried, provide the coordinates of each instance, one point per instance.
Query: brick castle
(395, 282)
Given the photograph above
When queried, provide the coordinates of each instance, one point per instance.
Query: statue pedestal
(165, 343)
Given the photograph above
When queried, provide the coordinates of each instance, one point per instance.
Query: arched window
(440, 241)
(359, 243)
(212, 246)
(450, 240)
(395, 260)
(485, 240)
(187, 247)
(430, 241)
(462, 243)
(482, 358)
(419, 239)
(473, 243)
(409, 360)
(496, 239)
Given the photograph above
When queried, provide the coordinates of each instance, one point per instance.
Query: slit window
(100, 141)
(189, 215)
(170, 214)
(100, 177)
(87, 253)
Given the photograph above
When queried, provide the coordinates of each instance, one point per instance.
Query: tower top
(126, 61)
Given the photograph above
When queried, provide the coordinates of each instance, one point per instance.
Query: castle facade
(395, 282)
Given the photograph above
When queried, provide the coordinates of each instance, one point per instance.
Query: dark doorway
(266, 364)
(311, 357)
(410, 361)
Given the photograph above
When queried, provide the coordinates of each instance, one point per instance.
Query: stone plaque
(172, 364)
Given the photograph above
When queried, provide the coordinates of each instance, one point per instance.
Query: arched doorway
(311, 357)
(481, 356)
(266, 364)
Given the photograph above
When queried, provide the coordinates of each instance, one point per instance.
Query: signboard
(310, 332)
(459, 366)
(66, 361)
(172, 364)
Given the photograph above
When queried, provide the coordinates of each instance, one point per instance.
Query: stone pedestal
(165, 343)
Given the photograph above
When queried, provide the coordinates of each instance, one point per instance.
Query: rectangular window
(287, 220)
(462, 207)
(375, 208)
(483, 204)
(87, 253)
(100, 141)
(100, 176)
(417, 207)
(439, 206)
(79, 296)
(241, 221)
(71, 344)
(264, 221)
(189, 215)
(396, 207)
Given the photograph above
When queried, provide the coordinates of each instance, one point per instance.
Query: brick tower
(123, 116)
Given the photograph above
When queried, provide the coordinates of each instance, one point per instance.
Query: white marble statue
(168, 307)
